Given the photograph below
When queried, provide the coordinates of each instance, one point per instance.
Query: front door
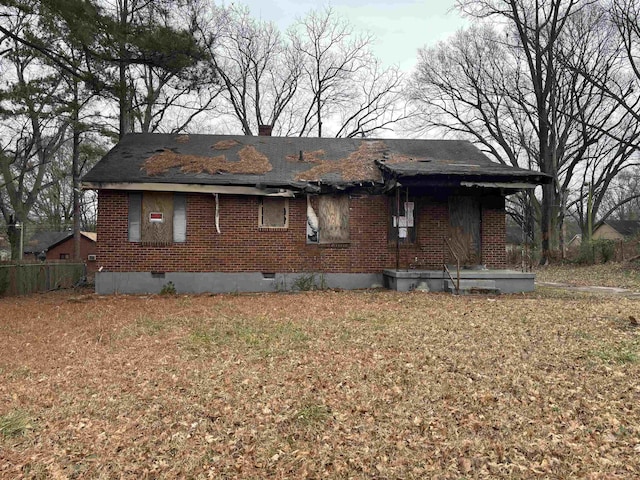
(464, 229)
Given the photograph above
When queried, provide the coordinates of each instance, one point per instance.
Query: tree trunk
(75, 173)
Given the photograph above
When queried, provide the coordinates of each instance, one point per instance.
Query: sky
(400, 26)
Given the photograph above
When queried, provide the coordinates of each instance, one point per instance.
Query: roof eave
(191, 188)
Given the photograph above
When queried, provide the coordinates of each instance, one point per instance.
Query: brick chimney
(265, 130)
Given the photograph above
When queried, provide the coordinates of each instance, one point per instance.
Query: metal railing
(446, 245)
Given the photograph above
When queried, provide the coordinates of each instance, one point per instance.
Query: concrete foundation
(507, 281)
(216, 282)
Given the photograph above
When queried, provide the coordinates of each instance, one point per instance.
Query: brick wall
(87, 247)
(494, 233)
(243, 247)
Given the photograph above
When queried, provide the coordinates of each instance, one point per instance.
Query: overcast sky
(400, 26)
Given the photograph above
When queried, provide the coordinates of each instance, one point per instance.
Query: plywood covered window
(157, 218)
(332, 220)
(273, 212)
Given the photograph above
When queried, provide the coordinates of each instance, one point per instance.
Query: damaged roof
(292, 163)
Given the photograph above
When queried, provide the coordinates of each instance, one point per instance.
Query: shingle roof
(626, 228)
(288, 162)
(43, 241)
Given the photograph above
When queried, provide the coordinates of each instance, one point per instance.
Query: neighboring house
(5, 248)
(617, 229)
(229, 213)
(59, 246)
(514, 238)
(575, 242)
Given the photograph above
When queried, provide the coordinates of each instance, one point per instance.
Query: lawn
(366, 384)
(611, 274)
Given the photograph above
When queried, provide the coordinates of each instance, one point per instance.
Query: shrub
(606, 249)
(596, 251)
(168, 289)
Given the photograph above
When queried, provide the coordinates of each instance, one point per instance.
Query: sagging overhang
(191, 188)
(497, 177)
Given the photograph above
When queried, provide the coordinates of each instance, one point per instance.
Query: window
(65, 256)
(273, 212)
(402, 224)
(157, 218)
(331, 223)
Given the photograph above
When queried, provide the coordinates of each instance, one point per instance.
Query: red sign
(156, 217)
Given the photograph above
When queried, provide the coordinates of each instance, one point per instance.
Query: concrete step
(472, 286)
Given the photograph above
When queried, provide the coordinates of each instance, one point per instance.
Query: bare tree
(259, 71)
(33, 131)
(622, 198)
(510, 91)
(337, 63)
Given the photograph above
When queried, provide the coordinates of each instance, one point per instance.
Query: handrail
(446, 269)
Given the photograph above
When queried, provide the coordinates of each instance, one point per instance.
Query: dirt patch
(371, 384)
(251, 162)
(182, 139)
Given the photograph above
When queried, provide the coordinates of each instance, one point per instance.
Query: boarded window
(464, 228)
(274, 213)
(157, 218)
(333, 219)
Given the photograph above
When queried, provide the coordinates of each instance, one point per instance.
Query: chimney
(265, 130)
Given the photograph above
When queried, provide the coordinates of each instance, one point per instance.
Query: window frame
(135, 220)
(318, 211)
(287, 214)
(412, 223)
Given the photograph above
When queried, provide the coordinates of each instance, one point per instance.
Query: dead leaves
(251, 161)
(335, 384)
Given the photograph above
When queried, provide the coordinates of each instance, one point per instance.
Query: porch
(471, 279)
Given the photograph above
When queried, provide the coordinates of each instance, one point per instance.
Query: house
(617, 230)
(225, 213)
(516, 238)
(5, 248)
(59, 246)
(575, 242)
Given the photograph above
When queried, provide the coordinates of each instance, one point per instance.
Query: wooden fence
(23, 278)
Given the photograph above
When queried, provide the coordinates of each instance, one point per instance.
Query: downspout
(217, 216)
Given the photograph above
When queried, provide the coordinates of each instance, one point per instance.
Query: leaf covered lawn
(611, 274)
(368, 384)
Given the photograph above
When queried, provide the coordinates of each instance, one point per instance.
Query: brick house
(214, 213)
(59, 246)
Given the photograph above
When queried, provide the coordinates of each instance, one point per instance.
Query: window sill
(331, 245)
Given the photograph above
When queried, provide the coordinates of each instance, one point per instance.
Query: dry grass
(370, 384)
(251, 162)
(315, 156)
(359, 165)
(612, 274)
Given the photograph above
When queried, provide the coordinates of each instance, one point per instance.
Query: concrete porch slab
(507, 281)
